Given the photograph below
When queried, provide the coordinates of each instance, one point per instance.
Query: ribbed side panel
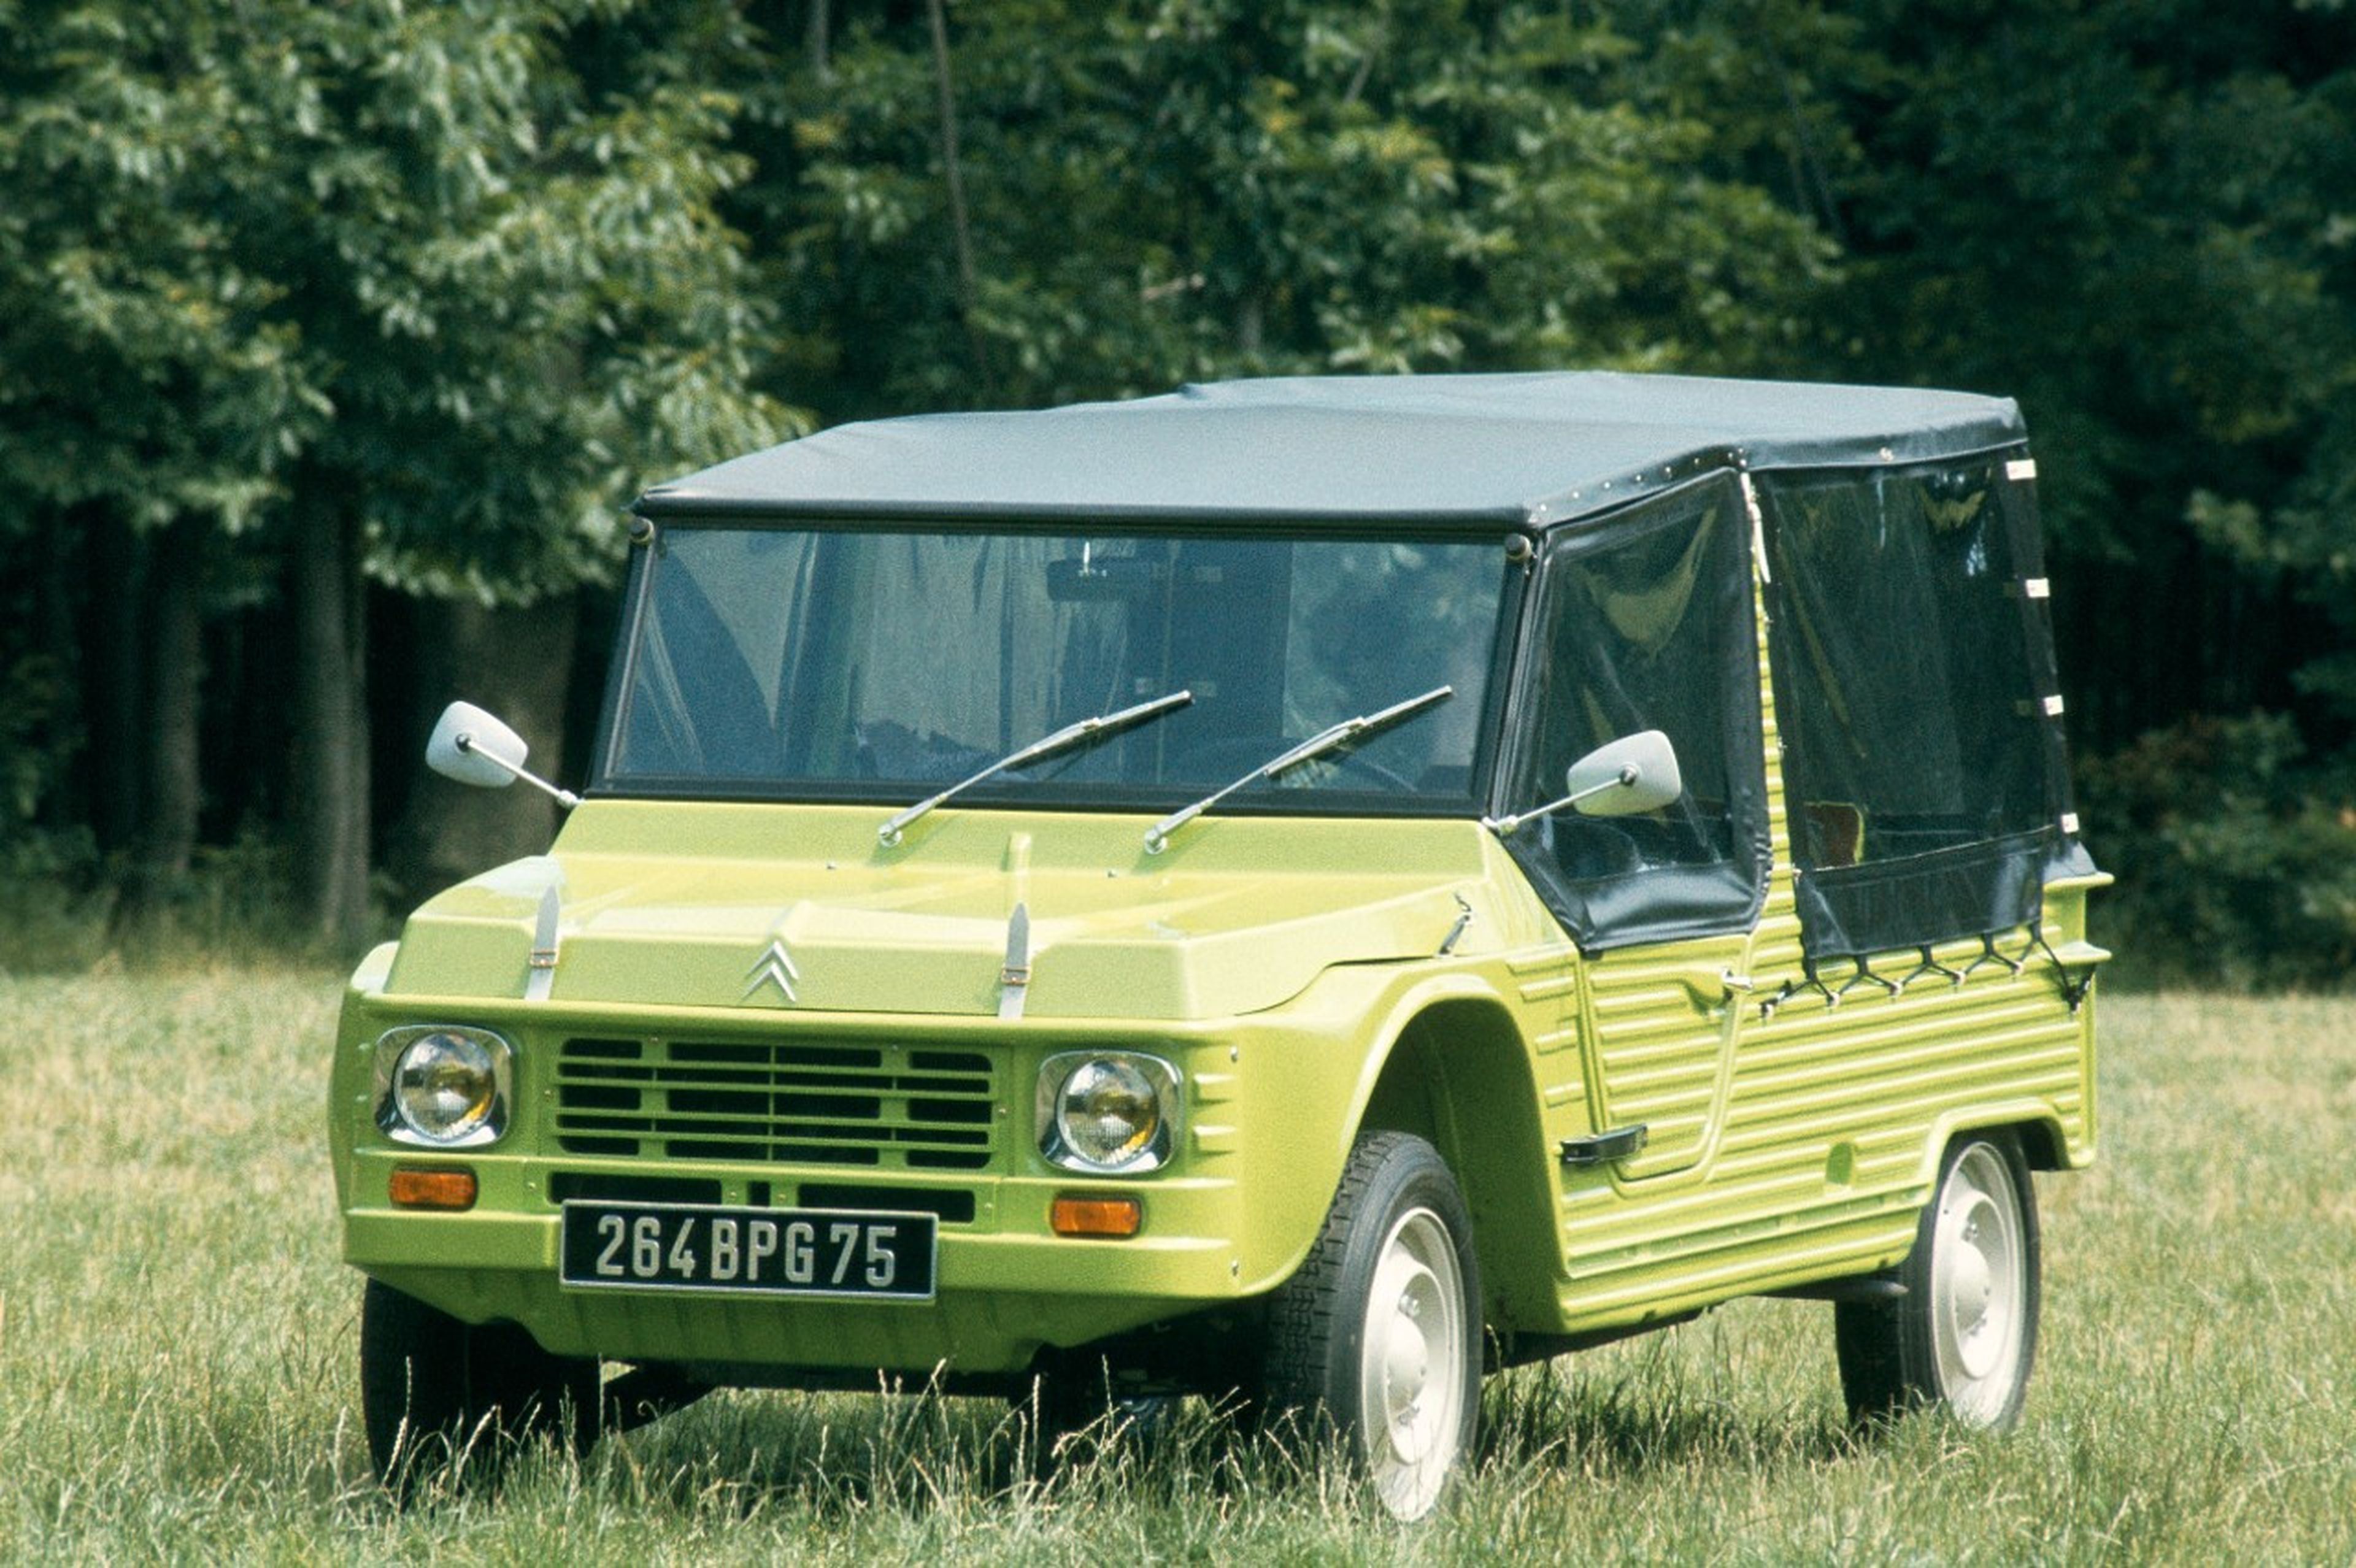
(1548, 986)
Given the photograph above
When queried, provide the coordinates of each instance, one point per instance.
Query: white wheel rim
(1411, 1383)
(1978, 1286)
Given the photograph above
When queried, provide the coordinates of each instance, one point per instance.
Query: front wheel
(1963, 1336)
(436, 1389)
(1378, 1333)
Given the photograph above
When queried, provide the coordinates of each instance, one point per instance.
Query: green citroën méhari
(1308, 889)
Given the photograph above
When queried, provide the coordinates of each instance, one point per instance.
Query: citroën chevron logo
(774, 966)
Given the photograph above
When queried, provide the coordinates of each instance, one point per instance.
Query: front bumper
(1007, 1286)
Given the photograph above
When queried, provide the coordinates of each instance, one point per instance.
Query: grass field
(178, 1378)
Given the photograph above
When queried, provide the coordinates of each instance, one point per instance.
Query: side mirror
(474, 747)
(1635, 773)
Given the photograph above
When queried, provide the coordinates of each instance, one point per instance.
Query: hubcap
(1978, 1284)
(1412, 1386)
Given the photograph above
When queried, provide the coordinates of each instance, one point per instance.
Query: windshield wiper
(1104, 725)
(1348, 732)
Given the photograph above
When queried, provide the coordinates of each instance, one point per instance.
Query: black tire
(434, 1389)
(1963, 1336)
(1378, 1337)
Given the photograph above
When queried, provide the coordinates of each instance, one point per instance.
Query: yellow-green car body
(1729, 1046)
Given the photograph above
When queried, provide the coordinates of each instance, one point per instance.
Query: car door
(1647, 621)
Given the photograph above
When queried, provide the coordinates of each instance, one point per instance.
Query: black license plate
(775, 1252)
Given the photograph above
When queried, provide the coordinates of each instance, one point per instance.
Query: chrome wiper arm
(1104, 725)
(1348, 732)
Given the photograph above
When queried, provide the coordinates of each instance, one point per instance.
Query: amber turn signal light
(416, 1188)
(1114, 1217)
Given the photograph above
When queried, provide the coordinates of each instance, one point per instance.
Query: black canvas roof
(1528, 450)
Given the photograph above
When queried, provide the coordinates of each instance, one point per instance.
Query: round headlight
(1107, 1113)
(446, 1087)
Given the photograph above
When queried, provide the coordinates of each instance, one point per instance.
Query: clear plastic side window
(1911, 716)
(1646, 621)
(1914, 687)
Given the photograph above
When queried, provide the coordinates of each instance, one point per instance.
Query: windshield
(879, 665)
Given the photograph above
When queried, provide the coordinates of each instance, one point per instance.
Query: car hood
(797, 908)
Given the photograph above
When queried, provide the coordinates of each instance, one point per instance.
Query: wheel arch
(2041, 1143)
(2037, 1128)
(1457, 1075)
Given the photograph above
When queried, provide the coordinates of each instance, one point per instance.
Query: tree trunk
(169, 783)
(969, 295)
(517, 663)
(816, 47)
(59, 632)
(330, 792)
(114, 680)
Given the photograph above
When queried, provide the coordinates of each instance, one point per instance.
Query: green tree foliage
(2139, 201)
(1161, 190)
(2243, 873)
(426, 288)
(147, 374)
(463, 257)
(2135, 218)
(530, 307)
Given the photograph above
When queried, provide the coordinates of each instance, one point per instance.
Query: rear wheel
(1378, 1334)
(433, 1388)
(1964, 1335)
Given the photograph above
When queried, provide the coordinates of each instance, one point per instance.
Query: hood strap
(1015, 978)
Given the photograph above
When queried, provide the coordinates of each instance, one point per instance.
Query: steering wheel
(1221, 762)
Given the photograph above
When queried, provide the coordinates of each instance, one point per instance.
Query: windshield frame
(1050, 795)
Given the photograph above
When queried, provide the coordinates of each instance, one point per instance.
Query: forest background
(335, 339)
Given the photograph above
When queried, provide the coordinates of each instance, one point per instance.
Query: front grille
(882, 1107)
(571, 1186)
